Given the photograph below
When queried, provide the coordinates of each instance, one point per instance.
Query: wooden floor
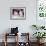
(13, 44)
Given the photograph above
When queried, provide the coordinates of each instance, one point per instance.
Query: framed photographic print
(41, 9)
(17, 13)
(41, 12)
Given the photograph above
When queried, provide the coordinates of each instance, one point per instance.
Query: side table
(8, 34)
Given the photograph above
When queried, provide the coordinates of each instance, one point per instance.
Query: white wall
(24, 25)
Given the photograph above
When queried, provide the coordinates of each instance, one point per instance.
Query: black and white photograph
(17, 13)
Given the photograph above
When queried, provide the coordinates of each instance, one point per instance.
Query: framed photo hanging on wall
(41, 12)
(17, 13)
(41, 8)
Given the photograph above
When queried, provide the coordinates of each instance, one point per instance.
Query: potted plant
(39, 35)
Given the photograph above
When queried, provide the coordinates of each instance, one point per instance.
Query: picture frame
(41, 9)
(41, 12)
(17, 13)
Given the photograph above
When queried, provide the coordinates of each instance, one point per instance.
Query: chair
(25, 37)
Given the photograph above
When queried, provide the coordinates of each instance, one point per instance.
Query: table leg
(5, 40)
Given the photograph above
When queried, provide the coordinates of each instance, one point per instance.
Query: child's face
(15, 13)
